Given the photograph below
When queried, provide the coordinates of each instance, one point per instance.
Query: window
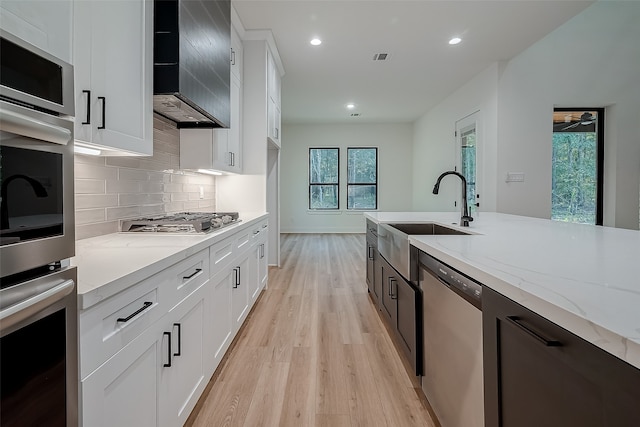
(362, 178)
(468, 164)
(467, 153)
(577, 173)
(323, 178)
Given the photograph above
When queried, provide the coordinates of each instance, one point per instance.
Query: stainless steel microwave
(36, 157)
(33, 77)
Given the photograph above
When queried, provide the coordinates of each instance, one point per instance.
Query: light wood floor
(313, 352)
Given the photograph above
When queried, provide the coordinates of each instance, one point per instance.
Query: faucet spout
(465, 218)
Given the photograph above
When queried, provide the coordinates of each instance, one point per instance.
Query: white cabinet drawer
(109, 326)
(187, 276)
(221, 254)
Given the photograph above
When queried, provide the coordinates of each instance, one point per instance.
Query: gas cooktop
(183, 222)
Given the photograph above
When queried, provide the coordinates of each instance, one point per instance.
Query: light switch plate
(515, 177)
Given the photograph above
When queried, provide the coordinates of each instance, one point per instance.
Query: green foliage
(574, 178)
(323, 169)
(362, 168)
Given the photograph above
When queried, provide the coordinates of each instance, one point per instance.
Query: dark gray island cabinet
(537, 374)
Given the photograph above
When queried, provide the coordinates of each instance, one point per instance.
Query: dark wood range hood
(191, 80)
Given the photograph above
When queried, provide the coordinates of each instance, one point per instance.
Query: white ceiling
(422, 68)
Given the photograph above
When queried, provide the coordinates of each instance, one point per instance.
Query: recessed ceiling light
(351, 106)
(316, 42)
(455, 40)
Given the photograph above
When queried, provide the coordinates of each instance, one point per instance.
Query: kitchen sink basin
(426, 228)
(394, 246)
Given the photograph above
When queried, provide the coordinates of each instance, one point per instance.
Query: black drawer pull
(88, 121)
(146, 305)
(168, 364)
(198, 270)
(104, 114)
(515, 320)
(178, 353)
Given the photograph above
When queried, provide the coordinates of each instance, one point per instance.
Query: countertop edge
(102, 291)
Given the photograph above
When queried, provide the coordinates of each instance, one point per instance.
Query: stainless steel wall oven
(38, 295)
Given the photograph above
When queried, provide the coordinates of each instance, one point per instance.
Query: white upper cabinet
(236, 54)
(44, 24)
(273, 100)
(219, 149)
(113, 59)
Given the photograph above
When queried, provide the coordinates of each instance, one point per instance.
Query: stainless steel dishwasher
(452, 365)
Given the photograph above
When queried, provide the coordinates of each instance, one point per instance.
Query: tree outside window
(578, 153)
(324, 178)
(362, 178)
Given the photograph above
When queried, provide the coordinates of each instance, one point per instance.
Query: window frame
(356, 184)
(312, 184)
(599, 157)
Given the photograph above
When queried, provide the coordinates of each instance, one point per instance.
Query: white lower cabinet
(125, 390)
(183, 374)
(221, 326)
(259, 263)
(240, 291)
(148, 352)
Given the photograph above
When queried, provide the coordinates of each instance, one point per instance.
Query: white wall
(591, 61)
(434, 145)
(394, 173)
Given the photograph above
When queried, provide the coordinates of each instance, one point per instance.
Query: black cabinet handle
(236, 272)
(370, 252)
(146, 305)
(168, 334)
(198, 270)
(389, 286)
(88, 121)
(179, 338)
(515, 320)
(394, 295)
(233, 57)
(104, 108)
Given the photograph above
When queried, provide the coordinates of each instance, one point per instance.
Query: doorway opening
(577, 165)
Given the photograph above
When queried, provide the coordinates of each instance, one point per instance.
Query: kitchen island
(583, 278)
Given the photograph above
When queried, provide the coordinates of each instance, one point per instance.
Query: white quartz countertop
(581, 277)
(110, 264)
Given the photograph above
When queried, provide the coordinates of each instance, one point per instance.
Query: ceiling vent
(355, 114)
(380, 56)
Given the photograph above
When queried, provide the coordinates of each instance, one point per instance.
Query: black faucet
(465, 218)
(38, 189)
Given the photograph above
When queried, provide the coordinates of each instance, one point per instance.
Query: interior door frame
(470, 120)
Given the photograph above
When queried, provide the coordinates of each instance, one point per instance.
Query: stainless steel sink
(393, 242)
(426, 228)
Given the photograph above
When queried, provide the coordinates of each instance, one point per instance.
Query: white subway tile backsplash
(191, 205)
(91, 171)
(152, 187)
(85, 201)
(97, 229)
(140, 199)
(179, 197)
(121, 213)
(109, 189)
(173, 188)
(151, 209)
(124, 186)
(89, 186)
(89, 216)
(133, 174)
